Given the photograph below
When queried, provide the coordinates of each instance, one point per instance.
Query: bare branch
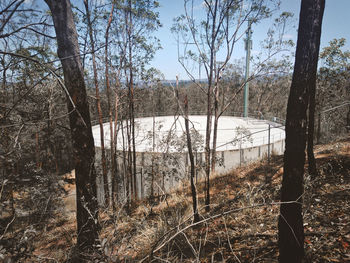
(180, 231)
(54, 74)
(11, 14)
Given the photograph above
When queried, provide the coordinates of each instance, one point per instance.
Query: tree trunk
(216, 121)
(79, 117)
(37, 150)
(131, 94)
(190, 154)
(318, 140)
(125, 165)
(129, 80)
(348, 120)
(98, 103)
(110, 114)
(209, 110)
(114, 156)
(310, 134)
(129, 176)
(290, 223)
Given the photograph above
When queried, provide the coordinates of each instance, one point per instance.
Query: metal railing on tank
(257, 115)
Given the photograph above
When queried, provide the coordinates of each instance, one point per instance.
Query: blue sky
(336, 23)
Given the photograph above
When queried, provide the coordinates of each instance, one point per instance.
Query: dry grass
(240, 227)
(249, 232)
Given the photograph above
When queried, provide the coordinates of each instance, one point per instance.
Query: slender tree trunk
(4, 76)
(79, 117)
(48, 138)
(37, 150)
(114, 156)
(126, 167)
(216, 121)
(154, 140)
(98, 103)
(131, 94)
(50, 127)
(130, 178)
(190, 154)
(177, 94)
(209, 110)
(130, 86)
(290, 223)
(110, 110)
(215, 136)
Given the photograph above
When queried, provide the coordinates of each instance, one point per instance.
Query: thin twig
(229, 243)
(7, 226)
(212, 218)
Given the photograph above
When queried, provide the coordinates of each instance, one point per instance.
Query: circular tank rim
(226, 132)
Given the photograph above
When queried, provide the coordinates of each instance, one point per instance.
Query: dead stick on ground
(8, 225)
(229, 243)
(211, 218)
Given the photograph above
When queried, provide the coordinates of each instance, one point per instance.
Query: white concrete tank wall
(161, 148)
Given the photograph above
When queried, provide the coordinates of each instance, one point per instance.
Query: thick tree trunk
(348, 120)
(310, 134)
(290, 224)
(318, 139)
(190, 154)
(79, 117)
(98, 103)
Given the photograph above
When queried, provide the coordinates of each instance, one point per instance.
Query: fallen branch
(7, 226)
(208, 219)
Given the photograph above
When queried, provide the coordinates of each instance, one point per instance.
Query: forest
(70, 67)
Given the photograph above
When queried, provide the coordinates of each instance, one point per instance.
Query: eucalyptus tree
(30, 101)
(80, 125)
(112, 129)
(91, 33)
(269, 89)
(25, 32)
(205, 33)
(131, 30)
(290, 222)
(272, 67)
(333, 89)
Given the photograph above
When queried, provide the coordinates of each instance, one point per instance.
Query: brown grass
(246, 233)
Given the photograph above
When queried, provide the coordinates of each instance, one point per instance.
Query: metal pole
(248, 46)
(141, 183)
(240, 152)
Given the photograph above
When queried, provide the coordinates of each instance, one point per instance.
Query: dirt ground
(240, 227)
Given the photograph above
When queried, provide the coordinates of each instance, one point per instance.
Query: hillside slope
(241, 226)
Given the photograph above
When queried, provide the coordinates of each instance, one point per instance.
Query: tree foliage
(333, 90)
